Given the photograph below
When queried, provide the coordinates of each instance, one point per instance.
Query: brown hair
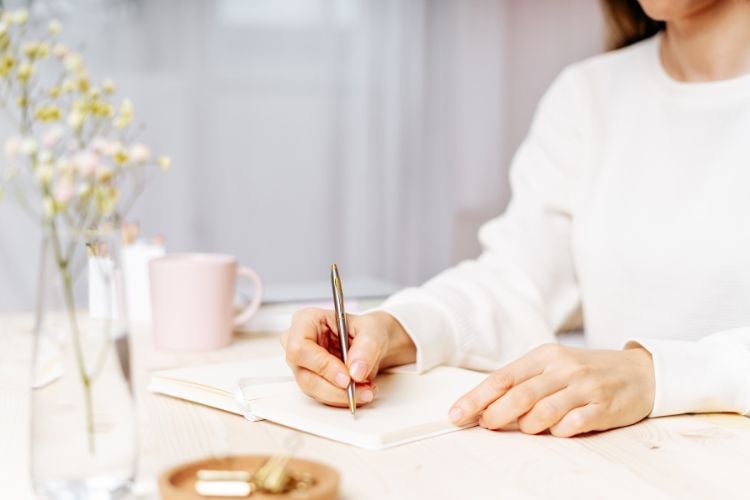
(627, 23)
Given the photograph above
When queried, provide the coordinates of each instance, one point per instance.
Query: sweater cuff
(695, 377)
(426, 325)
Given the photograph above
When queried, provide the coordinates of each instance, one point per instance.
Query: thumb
(365, 353)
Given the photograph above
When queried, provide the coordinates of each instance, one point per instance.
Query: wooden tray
(178, 483)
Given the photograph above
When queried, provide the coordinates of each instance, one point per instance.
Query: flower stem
(63, 266)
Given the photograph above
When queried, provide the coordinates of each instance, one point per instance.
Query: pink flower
(63, 191)
(112, 147)
(99, 144)
(86, 162)
(140, 153)
(12, 147)
(60, 51)
(52, 137)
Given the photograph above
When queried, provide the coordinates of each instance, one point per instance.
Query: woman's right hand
(376, 341)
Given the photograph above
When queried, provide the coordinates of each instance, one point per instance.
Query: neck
(710, 44)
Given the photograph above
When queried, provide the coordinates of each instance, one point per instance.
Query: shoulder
(587, 88)
(605, 73)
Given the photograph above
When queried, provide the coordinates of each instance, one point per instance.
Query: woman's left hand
(566, 390)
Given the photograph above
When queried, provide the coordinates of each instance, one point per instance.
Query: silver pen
(338, 304)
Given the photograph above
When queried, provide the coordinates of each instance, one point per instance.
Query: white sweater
(630, 218)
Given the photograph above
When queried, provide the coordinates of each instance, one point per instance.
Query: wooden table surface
(701, 456)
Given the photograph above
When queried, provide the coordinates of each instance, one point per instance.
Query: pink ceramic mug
(192, 300)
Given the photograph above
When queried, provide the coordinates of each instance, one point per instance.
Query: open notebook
(408, 408)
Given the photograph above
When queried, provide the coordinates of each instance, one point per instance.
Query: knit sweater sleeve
(708, 375)
(522, 289)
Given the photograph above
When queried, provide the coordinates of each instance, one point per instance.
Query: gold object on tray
(302, 479)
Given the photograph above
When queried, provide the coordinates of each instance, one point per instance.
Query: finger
(579, 420)
(303, 350)
(365, 352)
(549, 410)
(471, 404)
(320, 389)
(519, 400)
(283, 339)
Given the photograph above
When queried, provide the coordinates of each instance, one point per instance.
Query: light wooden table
(704, 457)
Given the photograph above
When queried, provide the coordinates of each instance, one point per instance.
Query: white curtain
(374, 133)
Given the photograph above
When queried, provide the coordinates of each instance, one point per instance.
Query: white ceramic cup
(192, 300)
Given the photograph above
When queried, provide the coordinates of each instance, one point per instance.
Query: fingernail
(358, 370)
(366, 396)
(456, 414)
(341, 380)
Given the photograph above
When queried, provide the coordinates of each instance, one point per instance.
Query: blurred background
(373, 133)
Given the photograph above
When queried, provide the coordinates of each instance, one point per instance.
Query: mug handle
(251, 309)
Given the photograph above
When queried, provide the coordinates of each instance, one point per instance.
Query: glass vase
(83, 429)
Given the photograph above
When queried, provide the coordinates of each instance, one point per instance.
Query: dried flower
(12, 146)
(121, 157)
(7, 63)
(125, 116)
(86, 163)
(28, 146)
(36, 50)
(63, 191)
(60, 51)
(46, 114)
(20, 17)
(165, 162)
(54, 27)
(52, 137)
(104, 174)
(75, 120)
(44, 174)
(25, 71)
(73, 62)
(140, 153)
(109, 87)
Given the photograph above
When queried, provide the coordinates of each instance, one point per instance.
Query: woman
(631, 199)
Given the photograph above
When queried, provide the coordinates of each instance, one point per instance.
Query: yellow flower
(54, 27)
(7, 62)
(4, 41)
(60, 51)
(68, 86)
(44, 173)
(75, 120)
(47, 114)
(105, 174)
(101, 109)
(54, 92)
(120, 157)
(25, 71)
(74, 62)
(84, 189)
(22, 101)
(20, 16)
(164, 162)
(36, 50)
(83, 84)
(106, 199)
(109, 87)
(126, 114)
(66, 167)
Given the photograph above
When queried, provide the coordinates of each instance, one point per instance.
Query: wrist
(400, 348)
(644, 363)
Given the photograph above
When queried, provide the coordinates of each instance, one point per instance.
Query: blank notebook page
(408, 408)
